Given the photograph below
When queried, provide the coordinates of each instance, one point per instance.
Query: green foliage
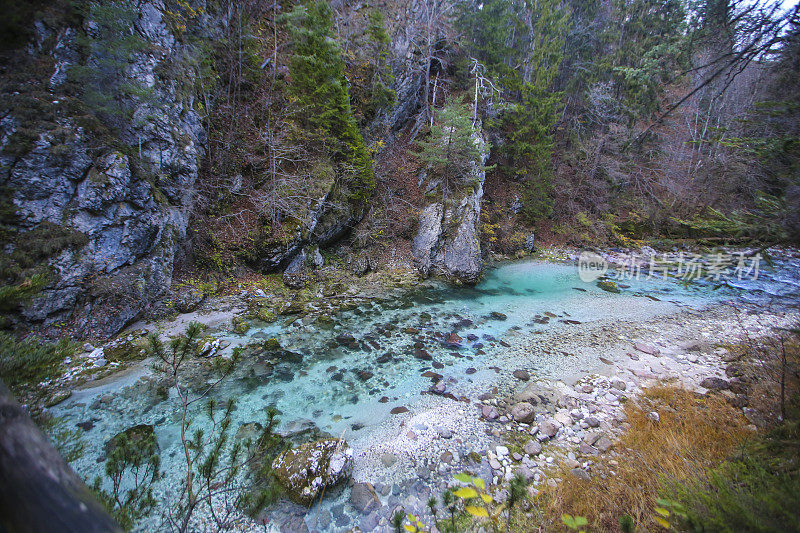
(132, 466)
(265, 489)
(649, 46)
(757, 491)
(369, 73)
(764, 223)
(522, 47)
(16, 25)
(23, 265)
(451, 152)
(574, 523)
(318, 92)
(66, 439)
(29, 361)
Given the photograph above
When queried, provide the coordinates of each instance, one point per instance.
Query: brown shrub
(693, 435)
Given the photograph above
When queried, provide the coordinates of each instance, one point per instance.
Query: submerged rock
(522, 375)
(142, 436)
(364, 498)
(305, 470)
(608, 286)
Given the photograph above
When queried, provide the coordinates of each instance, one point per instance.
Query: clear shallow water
(326, 390)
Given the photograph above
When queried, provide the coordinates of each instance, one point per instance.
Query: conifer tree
(451, 152)
(318, 90)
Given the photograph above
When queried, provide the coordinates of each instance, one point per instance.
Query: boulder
(523, 412)
(188, 298)
(488, 412)
(603, 444)
(305, 470)
(714, 383)
(364, 498)
(532, 447)
(142, 436)
(608, 286)
(549, 428)
(522, 375)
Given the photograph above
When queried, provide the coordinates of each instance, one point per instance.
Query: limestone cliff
(447, 241)
(128, 197)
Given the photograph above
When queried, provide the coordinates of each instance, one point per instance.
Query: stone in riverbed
(399, 410)
(454, 340)
(528, 394)
(345, 339)
(444, 433)
(388, 459)
(608, 286)
(495, 315)
(647, 348)
(249, 430)
(364, 375)
(488, 412)
(364, 498)
(532, 447)
(549, 428)
(305, 470)
(618, 384)
(522, 375)
(523, 412)
(714, 383)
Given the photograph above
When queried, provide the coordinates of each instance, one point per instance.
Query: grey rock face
(447, 241)
(134, 215)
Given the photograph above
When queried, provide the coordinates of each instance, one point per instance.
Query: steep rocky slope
(98, 208)
(131, 207)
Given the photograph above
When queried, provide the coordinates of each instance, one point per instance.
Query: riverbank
(427, 383)
(574, 422)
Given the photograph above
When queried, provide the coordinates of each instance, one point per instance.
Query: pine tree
(521, 45)
(318, 90)
(451, 152)
(110, 46)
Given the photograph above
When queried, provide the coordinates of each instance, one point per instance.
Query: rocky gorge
(433, 265)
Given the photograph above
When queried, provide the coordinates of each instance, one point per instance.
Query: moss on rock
(305, 470)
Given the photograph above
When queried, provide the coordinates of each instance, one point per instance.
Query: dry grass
(693, 435)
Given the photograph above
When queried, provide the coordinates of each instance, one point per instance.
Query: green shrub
(29, 361)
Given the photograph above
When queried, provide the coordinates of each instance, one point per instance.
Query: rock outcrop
(448, 241)
(129, 196)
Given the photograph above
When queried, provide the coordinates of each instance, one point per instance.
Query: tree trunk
(39, 492)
